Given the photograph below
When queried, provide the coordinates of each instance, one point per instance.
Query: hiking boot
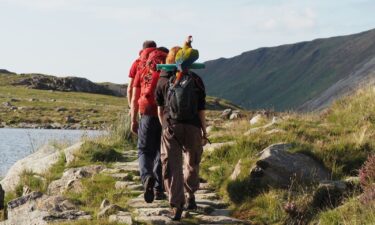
(177, 213)
(149, 189)
(160, 195)
(190, 203)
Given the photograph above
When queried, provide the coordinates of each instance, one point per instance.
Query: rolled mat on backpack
(171, 67)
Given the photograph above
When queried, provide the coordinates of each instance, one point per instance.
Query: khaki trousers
(181, 152)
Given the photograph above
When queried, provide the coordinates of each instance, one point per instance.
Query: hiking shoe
(149, 189)
(160, 195)
(177, 214)
(191, 204)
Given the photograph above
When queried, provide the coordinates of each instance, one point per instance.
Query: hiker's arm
(160, 114)
(130, 91)
(202, 117)
(134, 109)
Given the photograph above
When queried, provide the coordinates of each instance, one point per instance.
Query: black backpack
(182, 99)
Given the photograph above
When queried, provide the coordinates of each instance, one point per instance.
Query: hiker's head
(172, 55)
(149, 44)
(163, 49)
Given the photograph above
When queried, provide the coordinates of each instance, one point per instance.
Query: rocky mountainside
(75, 84)
(305, 76)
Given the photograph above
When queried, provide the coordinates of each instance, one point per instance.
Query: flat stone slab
(213, 203)
(157, 220)
(121, 217)
(221, 212)
(204, 219)
(140, 203)
(205, 186)
(207, 196)
(130, 185)
(122, 176)
(128, 166)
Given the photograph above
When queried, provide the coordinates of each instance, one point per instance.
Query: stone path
(211, 210)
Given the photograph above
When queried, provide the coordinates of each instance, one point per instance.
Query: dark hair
(163, 49)
(149, 44)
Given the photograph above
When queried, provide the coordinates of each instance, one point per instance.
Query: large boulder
(38, 162)
(278, 168)
(39, 209)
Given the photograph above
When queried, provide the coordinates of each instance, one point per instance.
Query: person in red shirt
(134, 68)
(148, 129)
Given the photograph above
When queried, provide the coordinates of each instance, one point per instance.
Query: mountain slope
(294, 76)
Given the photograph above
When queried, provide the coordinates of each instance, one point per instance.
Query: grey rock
(157, 220)
(70, 152)
(140, 203)
(256, 119)
(226, 113)
(207, 196)
(40, 209)
(70, 179)
(204, 219)
(7, 104)
(277, 167)
(235, 115)
(109, 210)
(214, 146)
(122, 176)
(38, 162)
(61, 109)
(121, 217)
(104, 204)
(221, 212)
(236, 171)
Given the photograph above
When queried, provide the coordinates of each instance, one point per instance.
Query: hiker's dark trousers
(149, 135)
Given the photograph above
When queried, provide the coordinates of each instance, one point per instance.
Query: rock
(275, 131)
(70, 179)
(226, 113)
(38, 162)
(14, 100)
(61, 109)
(236, 171)
(277, 167)
(256, 119)
(329, 194)
(121, 217)
(109, 210)
(207, 196)
(2, 197)
(214, 146)
(70, 119)
(36, 208)
(209, 129)
(71, 151)
(76, 84)
(140, 203)
(214, 168)
(104, 204)
(26, 190)
(204, 219)
(221, 212)
(218, 204)
(157, 220)
(33, 100)
(7, 104)
(152, 211)
(235, 115)
(122, 176)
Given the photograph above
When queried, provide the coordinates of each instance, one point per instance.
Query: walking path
(211, 210)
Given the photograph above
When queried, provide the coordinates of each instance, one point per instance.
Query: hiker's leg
(171, 156)
(192, 159)
(146, 154)
(157, 169)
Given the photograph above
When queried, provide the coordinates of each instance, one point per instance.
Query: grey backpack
(182, 99)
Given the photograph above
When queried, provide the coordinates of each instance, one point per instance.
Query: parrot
(185, 57)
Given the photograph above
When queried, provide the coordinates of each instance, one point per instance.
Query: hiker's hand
(134, 127)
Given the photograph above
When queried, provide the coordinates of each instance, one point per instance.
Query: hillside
(59, 108)
(97, 182)
(305, 76)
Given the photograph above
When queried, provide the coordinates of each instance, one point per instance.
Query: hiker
(181, 140)
(149, 128)
(134, 67)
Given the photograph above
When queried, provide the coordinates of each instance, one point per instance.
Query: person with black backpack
(181, 111)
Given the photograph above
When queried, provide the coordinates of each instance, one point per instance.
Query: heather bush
(367, 180)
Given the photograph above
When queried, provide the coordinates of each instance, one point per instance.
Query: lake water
(16, 144)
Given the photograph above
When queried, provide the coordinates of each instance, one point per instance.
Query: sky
(99, 39)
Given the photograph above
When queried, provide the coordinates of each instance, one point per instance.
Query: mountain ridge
(287, 76)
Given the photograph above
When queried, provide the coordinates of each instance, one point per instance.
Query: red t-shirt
(133, 69)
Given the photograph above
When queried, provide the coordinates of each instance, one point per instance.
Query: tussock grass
(341, 138)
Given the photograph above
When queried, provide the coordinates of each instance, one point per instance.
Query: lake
(16, 144)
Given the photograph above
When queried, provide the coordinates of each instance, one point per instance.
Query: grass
(90, 111)
(341, 138)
